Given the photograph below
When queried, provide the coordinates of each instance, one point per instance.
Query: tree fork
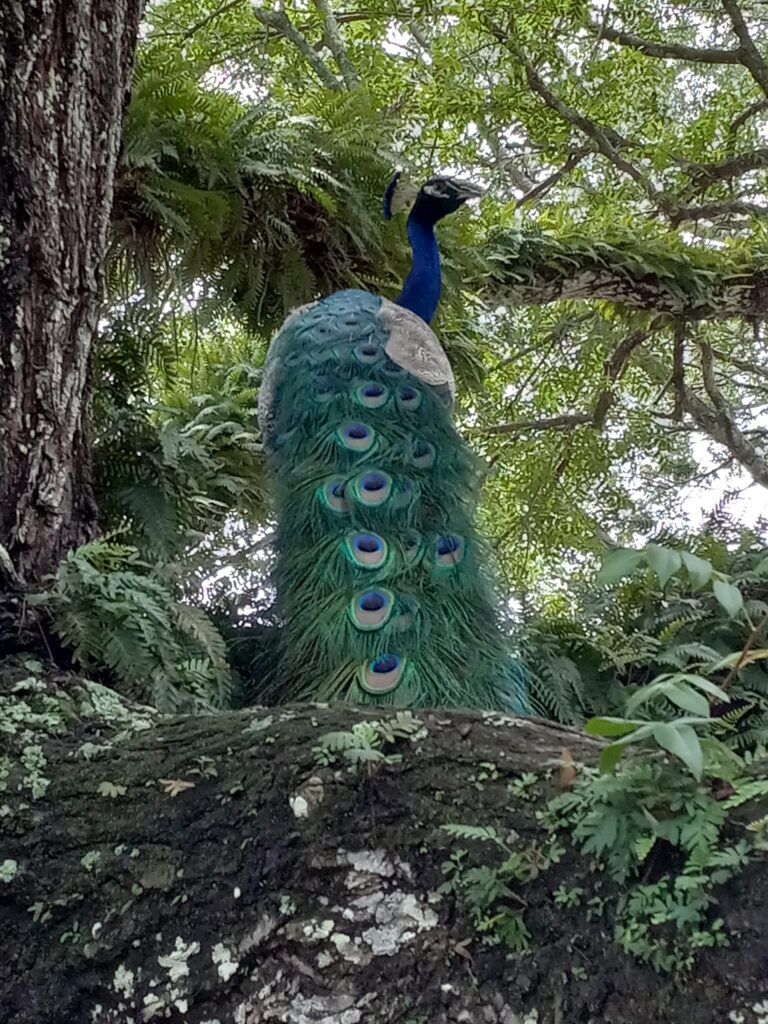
(65, 73)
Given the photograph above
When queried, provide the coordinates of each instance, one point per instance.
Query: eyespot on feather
(408, 398)
(371, 609)
(356, 437)
(449, 551)
(391, 369)
(366, 550)
(368, 353)
(333, 495)
(383, 674)
(372, 395)
(372, 489)
(423, 454)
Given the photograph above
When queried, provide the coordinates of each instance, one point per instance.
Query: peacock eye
(372, 395)
(373, 489)
(367, 353)
(371, 609)
(423, 454)
(383, 674)
(333, 495)
(449, 550)
(366, 550)
(356, 437)
(408, 398)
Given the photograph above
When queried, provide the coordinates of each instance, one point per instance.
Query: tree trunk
(214, 869)
(65, 71)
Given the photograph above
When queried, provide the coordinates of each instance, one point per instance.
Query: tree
(65, 74)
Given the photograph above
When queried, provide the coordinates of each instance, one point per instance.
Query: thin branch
(666, 50)
(716, 210)
(337, 46)
(758, 107)
(708, 377)
(212, 16)
(563, 422)
(750, 56)
(741, 364)
(279, 21)
(543, 187)
(678, 369)
(605, 139)
(717, 424)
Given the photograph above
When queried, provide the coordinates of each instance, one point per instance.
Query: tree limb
(337, 46)
(704, 175)
(717, 424)
(666, 50)
(536, 270)
(749, 54)
(280, 22)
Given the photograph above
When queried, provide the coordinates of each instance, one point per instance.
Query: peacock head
(434, 200)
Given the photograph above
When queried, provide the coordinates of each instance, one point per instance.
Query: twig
(573, 160)
(563, 422)
(753, 637)
(678, 370)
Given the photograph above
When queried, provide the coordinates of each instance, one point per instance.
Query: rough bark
(65, 71)
(273, 888)
(576, 274)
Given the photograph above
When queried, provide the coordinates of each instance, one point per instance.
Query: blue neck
(421, 291)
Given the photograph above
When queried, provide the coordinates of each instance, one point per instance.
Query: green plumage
(380, 574)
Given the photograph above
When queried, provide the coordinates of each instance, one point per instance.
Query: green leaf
(701, 684)
(609, 727)
(688, 699)
(618, 564)
(683, 742)
(729, 597)
(699, 569)
(664, 561)
(610, 757)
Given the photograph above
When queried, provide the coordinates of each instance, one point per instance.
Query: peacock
(382, 580)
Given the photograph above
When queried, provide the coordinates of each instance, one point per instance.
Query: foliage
(677, 614)
(669, 842)
(367, 741)
(486, 889)
(113, 612)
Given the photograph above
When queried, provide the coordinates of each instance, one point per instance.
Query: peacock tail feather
(381, 578)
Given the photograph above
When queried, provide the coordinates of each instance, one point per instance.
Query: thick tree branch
(535, 270)
(750, 56)
(704, 175)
